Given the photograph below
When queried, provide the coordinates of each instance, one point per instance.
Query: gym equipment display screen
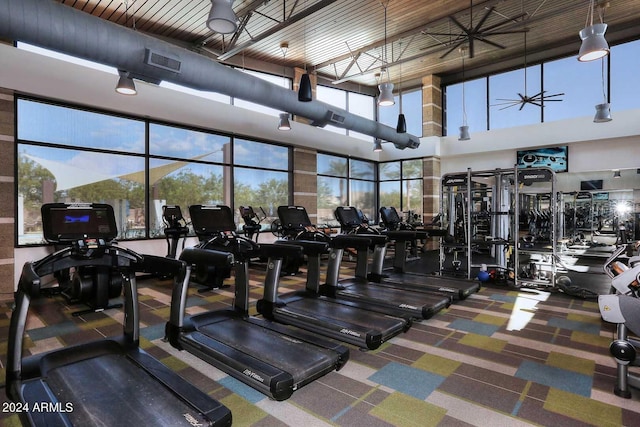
(67, 222)
(211, 219)
(555, 158)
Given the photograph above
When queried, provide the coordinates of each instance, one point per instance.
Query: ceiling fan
(538, 99)
(478, 32)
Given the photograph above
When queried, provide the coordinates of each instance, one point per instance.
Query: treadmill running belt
(111, 390)
(298, 358)
(343, 314)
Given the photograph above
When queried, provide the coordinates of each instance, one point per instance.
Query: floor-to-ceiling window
(553, 90)
(67, 154)
(401, 186)
(344, 182)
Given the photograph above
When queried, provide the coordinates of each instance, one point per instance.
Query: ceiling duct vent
(159, 60)
(336, 118)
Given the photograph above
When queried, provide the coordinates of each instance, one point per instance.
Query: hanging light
(304, 90)
(594, 45)
(222, 19)
(616, 173)
(377, 146)
(603, 111)
(386, 88)
(464, 129)
(125, 85)
(305, 93)
(401, 127)
(284, 124)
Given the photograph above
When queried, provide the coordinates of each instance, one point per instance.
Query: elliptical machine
(252, 222)
(175, 228)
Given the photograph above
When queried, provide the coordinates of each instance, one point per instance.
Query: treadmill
(358, 291)
(397, 275)
(111, 381)
(272, 358)
(310, 310)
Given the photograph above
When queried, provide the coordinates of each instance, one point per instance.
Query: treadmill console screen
(348, 216)
(211, 219)
(62, 222)
(390, 215)
(294, 216)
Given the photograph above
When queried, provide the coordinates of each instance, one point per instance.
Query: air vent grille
(162, 61)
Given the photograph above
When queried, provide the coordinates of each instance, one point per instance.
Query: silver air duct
(54, 26)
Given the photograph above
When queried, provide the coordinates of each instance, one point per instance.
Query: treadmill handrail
(29, 287)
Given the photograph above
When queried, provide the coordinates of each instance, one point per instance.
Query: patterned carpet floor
(502, 357)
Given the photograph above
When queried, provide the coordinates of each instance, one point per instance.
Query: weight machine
(490, 216)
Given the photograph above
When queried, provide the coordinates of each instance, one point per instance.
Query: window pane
(61, 125)
(184, 184)
(332, 165)
(411, 108)
(579, 81)
(412, 168)
(625, 63)
(389, 115)
(61, 175)
(505, 90)
(257, 154)
(363, 106)
(331, 96)
(412, 196)
(260, 189)
(390, 194)
(332, 192)
(475, 94)
(177, 142)
(363, 196)
(362, 170)
(389, 170)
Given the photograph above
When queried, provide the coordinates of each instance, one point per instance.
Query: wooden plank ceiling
(348, 41)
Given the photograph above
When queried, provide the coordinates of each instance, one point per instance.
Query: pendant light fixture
(603, 111)
(283, 123)
(125, 85)
(464, 129)
(377, 145)
(594, 45)
(305, 93)
(386, 88)
(222, 19)
(401, 127)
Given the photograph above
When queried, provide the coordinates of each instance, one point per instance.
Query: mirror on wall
(600, 207)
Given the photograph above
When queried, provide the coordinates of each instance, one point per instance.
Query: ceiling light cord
(604, 92)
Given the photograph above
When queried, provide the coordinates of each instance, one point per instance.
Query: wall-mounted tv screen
(555, 158)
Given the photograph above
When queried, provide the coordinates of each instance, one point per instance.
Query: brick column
(431, 106)
(7, 193)
(431, 193)
(305, 181)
